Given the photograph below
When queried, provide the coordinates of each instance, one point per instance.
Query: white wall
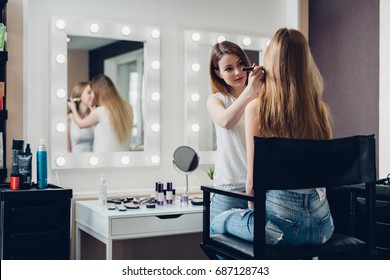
(384, 90)
(261, 17)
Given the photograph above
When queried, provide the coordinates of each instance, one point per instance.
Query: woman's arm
(88, 121)
(229, 117)
(250, 132)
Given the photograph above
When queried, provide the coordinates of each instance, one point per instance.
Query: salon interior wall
(28, 47)
(349, 43)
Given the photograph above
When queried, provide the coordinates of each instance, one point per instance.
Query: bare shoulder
(252, 106)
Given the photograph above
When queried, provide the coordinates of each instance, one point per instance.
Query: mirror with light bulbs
(199, 128)
(149, 92)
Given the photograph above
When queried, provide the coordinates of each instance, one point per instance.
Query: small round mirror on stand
(186, 160)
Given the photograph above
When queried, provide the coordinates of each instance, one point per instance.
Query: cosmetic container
(42, 165)
(14, 182)
(184, 198)
(25, 163)
(17, 149)
(160, 194)
(168, 197)
(102, 190)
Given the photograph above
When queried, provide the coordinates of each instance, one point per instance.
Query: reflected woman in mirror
(80, 139)
(232, 89)
(289, 105)
(113, 118)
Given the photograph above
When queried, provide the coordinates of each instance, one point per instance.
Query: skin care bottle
(42, 165)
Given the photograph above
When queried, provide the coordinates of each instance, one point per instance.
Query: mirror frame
(150, 35)
(193, 40)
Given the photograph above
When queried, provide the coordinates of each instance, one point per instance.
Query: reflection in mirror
(122, 61)
(199, 130)
(121, 67)
(186, 160)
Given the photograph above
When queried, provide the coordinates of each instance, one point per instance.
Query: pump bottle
(102, 191)
(42, 165)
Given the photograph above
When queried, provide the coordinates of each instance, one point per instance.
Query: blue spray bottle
(42, 165)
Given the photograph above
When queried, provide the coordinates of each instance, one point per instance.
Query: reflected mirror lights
(60, 29)
(198, 46)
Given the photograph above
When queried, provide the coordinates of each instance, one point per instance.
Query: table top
(166, 209)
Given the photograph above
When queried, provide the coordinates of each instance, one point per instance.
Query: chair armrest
(227, 192)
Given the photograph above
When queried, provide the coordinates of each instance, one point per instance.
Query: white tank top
(230, 163)
(81, 139)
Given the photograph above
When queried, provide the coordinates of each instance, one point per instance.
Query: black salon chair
(280, 163)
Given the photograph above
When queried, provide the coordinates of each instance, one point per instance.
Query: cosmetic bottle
(14, 182)
(160, 194)
(184, 198)
(168, 197)
(25, 163)
(42, 165)
(102, 190)
(17, 149)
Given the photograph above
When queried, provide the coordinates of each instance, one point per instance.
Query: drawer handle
(173, 216)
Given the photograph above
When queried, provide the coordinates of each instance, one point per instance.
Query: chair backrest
(298, 163)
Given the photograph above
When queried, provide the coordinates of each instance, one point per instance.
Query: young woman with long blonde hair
(289, 105)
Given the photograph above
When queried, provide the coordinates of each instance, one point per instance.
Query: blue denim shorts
(292, 219)
(221, 203)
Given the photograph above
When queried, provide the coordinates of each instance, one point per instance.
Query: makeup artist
(80, 139)
(232, 89)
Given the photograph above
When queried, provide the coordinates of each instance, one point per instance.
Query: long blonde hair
(219, 50)
(290, 102)
(120, 111)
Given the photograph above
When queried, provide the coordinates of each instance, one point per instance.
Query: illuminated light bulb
(94, 28)
(60, 161)
(61, 93)
(155, 96)
(246, 41)
(221, 38)
(155, 127)
(155, 33)
(93, 160)
(126, 30)
(195, 97)
(155, 159)
(60, 59)
(60, 127)
(195, 67)
(60, 24)
(155, 65)
(195, 127)
(125, 160)
(195, 36)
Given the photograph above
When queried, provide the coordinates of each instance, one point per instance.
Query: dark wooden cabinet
(35, 223)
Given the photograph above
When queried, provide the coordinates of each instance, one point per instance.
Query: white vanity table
(109, 225)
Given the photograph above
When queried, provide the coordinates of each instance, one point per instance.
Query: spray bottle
(42, 165)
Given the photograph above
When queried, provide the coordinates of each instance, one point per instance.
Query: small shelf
(3, 56)
(3, 3)
(3, 174)
(3, 114)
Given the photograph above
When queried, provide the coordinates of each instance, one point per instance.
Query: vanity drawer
(162, 224)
